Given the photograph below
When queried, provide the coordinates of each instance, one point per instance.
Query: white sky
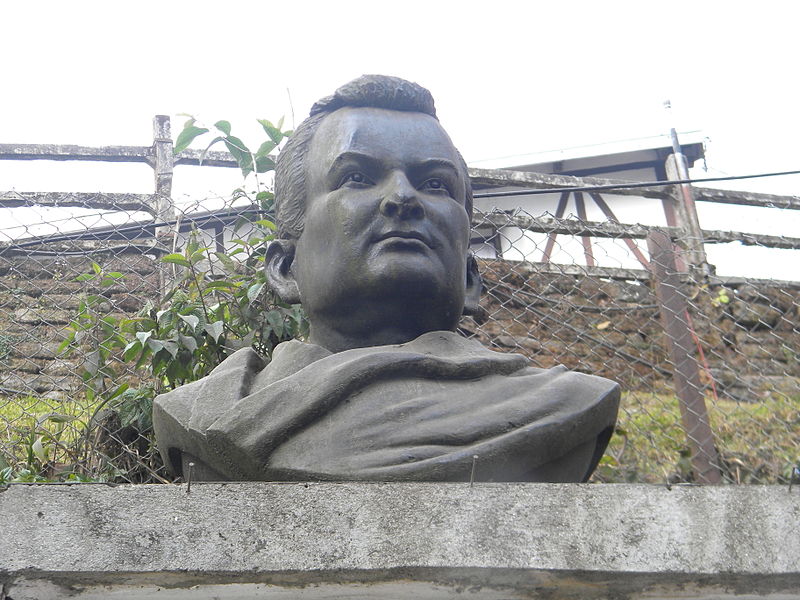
(509, 77)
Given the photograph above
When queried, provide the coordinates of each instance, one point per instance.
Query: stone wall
(751, 342)
(39, 296)
(749, 334)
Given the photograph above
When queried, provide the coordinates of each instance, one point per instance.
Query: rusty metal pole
(680, 347)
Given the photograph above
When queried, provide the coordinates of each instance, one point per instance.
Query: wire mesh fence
(101, 308)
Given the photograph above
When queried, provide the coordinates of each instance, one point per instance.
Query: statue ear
(280, 255)
(474, 286)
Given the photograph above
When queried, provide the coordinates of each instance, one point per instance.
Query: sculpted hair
(376, 91)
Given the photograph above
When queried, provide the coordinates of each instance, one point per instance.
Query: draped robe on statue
(418, 411)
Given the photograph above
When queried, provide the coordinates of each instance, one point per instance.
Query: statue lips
(404, 239)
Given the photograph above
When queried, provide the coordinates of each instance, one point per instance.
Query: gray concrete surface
(401, 540)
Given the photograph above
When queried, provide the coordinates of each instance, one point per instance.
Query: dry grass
(757, 443)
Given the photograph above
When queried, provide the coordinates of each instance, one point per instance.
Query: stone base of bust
(398, 540)
(419, 411)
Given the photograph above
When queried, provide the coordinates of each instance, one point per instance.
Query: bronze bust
(373, 203)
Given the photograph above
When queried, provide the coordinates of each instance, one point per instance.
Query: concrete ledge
(323, 540)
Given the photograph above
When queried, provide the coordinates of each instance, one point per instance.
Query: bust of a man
(373, 204)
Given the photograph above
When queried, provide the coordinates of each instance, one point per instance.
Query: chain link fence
(710, 366)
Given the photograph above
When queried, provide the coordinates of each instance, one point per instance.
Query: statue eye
(435, 184)
(356, 177)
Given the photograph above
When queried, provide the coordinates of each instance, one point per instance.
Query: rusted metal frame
(673, 307)
(112, 202)
(585, 239)
(598, 199)
(551, 237)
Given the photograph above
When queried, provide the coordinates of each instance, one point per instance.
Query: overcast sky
(509, 78)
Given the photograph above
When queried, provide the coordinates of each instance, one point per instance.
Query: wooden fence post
(164, 210)
(680, 347)
(163, 161)
(686, 213)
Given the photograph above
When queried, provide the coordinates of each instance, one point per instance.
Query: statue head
(373, 204)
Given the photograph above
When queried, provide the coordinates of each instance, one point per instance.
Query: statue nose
(401, 199)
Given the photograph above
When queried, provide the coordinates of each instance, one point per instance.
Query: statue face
(386, 231)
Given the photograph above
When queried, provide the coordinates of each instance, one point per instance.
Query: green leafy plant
(216, 303)
(259, 161)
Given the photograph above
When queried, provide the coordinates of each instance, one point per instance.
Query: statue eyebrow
(359, 158)
(434, 163)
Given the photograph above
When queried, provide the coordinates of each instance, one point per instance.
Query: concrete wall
(322, 540)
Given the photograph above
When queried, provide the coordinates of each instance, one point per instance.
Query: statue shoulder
(182, 416)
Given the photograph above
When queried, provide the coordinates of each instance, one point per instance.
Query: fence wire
(66, 413)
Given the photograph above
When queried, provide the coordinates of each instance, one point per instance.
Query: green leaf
(171, 347)
(190, 320)
(155, 345)
(188, 342)
(241, 153)
(119, 391)
(265, 148)
(267, 223)
(264, 164)
(221, 285)
(143, 357)
(226, 260)
(57, 418)
(92, 363)
(273, 132)
(219, 138)
(176, 258)
(254, 290)
(39, 451)
(187, 136)
(198, 255)
(143, 336)
(214, 329)
(223, 126)
(131, 350)
(85, 277)
(261, 196)
(96, 268)
(62, 347)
